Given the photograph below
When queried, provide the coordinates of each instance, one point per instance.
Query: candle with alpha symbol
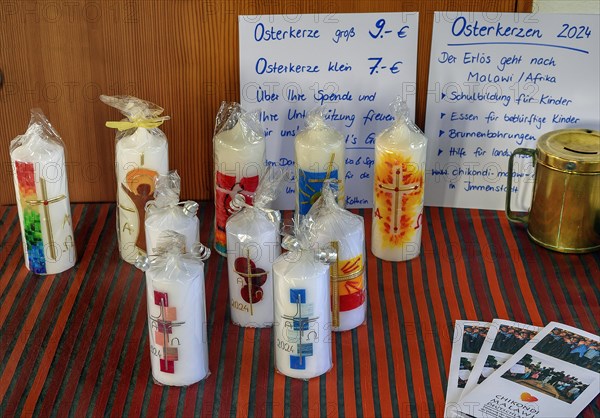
(40, 179)
(398, 189)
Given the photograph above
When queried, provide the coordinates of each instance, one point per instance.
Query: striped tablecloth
(76, 344)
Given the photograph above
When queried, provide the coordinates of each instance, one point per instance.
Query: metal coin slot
(581, 152)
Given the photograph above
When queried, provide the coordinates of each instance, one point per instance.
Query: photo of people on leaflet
(473, 338)
(572, 348)
(550, 380)
(510, 339)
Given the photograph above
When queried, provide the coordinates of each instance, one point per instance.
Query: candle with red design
(253, 244)
(239, 157)
(346, 232)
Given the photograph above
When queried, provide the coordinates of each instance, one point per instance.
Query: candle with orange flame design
(398, 189)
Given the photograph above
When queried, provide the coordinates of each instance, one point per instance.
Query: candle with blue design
(320, 155)
(302, 326)
(40, 178)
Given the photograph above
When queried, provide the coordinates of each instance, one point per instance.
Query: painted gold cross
(45, 202)
(335, 279)
(249, 275)
(397, 189)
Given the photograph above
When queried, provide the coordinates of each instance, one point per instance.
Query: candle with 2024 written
(253, 244)
(140, 157)
(320, 155)
(239, 163)
(398, 191)
(40, 179)
(177, 321)
(302, 324)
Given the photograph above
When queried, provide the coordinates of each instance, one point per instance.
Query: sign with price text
(354, 65)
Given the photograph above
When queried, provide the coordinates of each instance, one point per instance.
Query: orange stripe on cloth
(59, 326)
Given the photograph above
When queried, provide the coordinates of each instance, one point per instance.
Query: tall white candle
(239, 158)
(302, 326)
(346, 233)
(177, 319)
(40, 179)
(141, 154)
(320, 155)
(398, 190)
(140, 157)
(253, 244)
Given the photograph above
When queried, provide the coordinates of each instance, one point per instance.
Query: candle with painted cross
(302, 317)
(345, 232)
(177, 312)
(253, 244)
(398, 189)
(40, 179)
(320, 155)
(141, 154)
(239, 158)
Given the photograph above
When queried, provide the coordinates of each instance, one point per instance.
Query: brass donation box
(565, 207)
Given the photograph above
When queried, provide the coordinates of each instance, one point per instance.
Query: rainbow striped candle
(40, 180)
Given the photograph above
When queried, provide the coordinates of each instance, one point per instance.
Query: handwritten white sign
(497, 82)
(353, 64)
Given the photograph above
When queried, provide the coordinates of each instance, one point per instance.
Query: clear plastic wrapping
(166, 212)
(334, 226)
(239, 162)
(302, 327)
(141, 154)
(176, 311)
(320, 153)
(399, 181)
(41, 187)
(253, 244)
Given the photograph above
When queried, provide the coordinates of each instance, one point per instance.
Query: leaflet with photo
(503, 340)
(467, 341)
(556, 374)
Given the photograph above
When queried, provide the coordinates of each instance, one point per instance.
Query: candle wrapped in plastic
(332, 225)
(253, 244)
(176, 310)
(166, 212)
(399, 181)
(239, 162)
(302, 327)
(141, 154)
(320, 153)
(40, 179)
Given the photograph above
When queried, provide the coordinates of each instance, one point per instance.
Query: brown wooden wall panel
(182, 55)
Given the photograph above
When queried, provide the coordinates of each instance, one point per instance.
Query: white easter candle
(171, 218)
(40, 179)
(140, 157)
(302, 324)
(177, 322)
(347, 274)
(253, 244)
(398, 193)
(239, 164)
(320, 155)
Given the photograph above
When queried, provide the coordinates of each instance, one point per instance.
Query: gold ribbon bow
(124, 125)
